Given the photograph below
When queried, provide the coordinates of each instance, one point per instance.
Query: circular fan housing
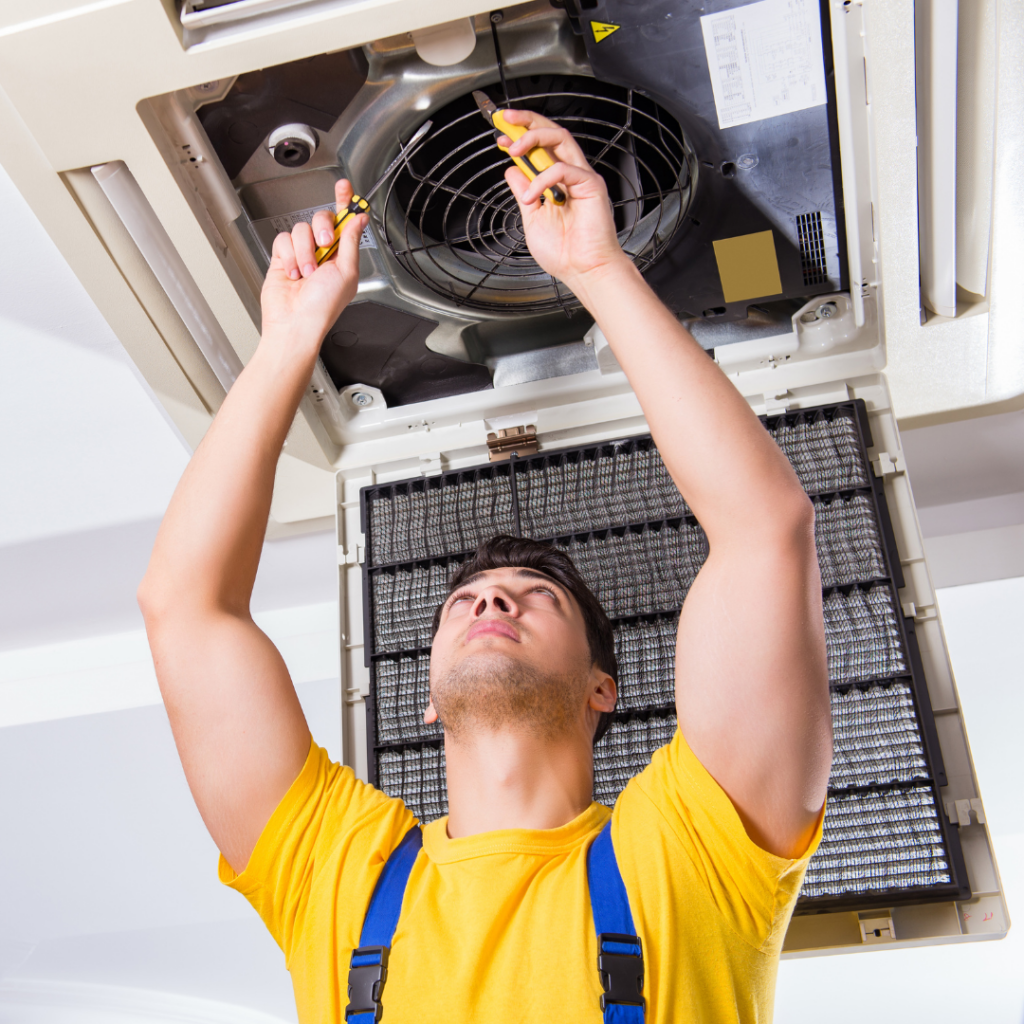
(451, 221)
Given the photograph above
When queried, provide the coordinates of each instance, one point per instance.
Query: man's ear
(430, 715)
(604, 692)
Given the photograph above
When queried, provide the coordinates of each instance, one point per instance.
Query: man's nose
(495, 599)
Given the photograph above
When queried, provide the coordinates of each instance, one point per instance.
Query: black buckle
(622, 974)
(366, 981)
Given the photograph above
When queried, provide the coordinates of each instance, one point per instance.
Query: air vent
(812, 248)
(454, 225)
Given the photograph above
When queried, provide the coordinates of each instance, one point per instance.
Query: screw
(361, 398)
(208, 86)
(827, 309)
(497, 17)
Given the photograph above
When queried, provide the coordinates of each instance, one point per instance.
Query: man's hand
(567, 241)
(297, 294)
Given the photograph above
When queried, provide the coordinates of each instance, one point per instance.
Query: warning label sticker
(765, 60)
(603, 29)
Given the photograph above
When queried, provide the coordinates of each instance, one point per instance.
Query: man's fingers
(305, 248)
(347, 256)
(557, 140)
(518, 183)
(342, 193)
(283, 256)
(323, 227)
(581, 182)
(528, 119)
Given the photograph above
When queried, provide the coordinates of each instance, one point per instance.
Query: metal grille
(451, 221)
(812, 248)
(614, 509)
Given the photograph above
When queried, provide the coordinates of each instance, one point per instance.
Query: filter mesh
(447, 515)
(878, 840)
(646, 653)
(863, 634)
(403, 692)
(670, 554)
(826, 453)
(627, 483)
(403, 605)
(614, 510)
(876, 737)
(848, 540)
(417, 776)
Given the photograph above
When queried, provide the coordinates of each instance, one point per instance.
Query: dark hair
(503, 552)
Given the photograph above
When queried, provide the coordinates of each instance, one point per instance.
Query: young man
(711, 840)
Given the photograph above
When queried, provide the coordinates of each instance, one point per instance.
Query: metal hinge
(518, 440)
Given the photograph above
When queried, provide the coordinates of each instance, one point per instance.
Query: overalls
(620, 961)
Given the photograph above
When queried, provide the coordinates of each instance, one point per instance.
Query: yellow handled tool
(361, 204)
(357, 205)
(532, 163)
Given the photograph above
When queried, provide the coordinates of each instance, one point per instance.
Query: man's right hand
(297, 294)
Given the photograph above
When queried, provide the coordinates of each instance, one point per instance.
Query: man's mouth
(491, 627)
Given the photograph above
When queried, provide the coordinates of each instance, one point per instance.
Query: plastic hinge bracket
(959, 811)
(888, 463)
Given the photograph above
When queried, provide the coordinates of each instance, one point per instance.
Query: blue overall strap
(620, 957)
(368, 968)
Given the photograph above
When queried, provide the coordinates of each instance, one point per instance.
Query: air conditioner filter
(615, 510)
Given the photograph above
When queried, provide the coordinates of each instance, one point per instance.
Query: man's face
(511, 652)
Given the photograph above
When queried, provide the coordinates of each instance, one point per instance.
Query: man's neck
(500, 780)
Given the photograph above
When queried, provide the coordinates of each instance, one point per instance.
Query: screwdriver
(531, 164)
(361, 204)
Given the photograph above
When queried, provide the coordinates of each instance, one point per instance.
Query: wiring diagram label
(765, 59)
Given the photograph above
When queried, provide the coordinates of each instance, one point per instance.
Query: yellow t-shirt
(497, 927)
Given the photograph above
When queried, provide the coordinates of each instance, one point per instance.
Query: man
(711, 840)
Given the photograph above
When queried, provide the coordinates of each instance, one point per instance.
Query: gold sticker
(603, 29)
(748, 266)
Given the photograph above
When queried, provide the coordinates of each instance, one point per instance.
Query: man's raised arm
(236, 718)
(751, 675)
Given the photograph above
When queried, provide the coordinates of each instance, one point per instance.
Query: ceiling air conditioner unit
(763, 178)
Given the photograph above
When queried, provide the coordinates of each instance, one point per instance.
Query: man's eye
(543, 590)
(459, 597)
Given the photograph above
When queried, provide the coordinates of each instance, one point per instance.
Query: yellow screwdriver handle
(532, 163)
(357, 205)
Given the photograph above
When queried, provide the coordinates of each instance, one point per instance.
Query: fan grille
(452, 222)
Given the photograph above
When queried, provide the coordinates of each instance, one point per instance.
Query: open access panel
(905, 857)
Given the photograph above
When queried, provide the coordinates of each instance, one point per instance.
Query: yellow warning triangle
(603, 29)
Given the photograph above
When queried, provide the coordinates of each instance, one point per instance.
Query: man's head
(521, 641)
